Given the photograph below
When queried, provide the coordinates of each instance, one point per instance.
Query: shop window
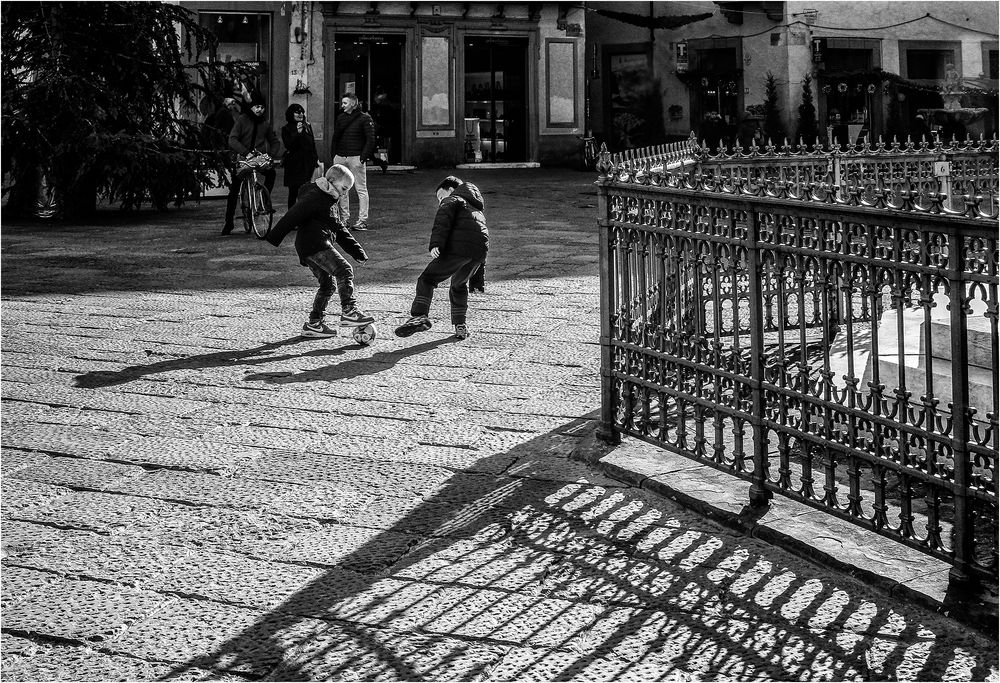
(847, 60)
(850, 99)
(716, 88)
(928, 63)
(242, 36)
(631, 98)
(496, 92)
(990, 54)
(928, 60)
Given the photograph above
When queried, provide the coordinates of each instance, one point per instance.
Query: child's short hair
(339, 171)
(448, 183)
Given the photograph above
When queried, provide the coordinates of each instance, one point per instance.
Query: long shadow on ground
(517, 577)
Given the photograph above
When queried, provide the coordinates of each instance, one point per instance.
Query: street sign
(818, 49)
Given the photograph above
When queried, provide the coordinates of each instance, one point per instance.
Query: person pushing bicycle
(317, 233)
(252, 134)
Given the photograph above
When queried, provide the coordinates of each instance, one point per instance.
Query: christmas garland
(871, 80)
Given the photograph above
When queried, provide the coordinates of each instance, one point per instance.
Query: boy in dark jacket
(317, 232)
(459, 243)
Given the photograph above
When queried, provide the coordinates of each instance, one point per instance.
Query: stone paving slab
(12, 460)
(137, 404)
(96, 475)
(80, 610)
(203, 634)
(359, 652)
(28, 660)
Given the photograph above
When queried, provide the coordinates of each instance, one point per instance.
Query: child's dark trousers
(459, 269)
(335, 275)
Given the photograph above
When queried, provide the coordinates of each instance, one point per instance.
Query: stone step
(982, 396)
(980, 341)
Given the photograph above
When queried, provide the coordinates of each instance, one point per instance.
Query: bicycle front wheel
(246, 206)
(262, 213)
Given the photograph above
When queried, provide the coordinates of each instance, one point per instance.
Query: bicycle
(255, 200)
(588, 151)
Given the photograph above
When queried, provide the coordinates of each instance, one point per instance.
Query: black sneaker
(461, 331)
(418, 323)
(317, 331)
(227, 229)
(354, 318)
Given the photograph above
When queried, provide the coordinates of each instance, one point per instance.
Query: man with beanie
(353, 145)
(251, 134)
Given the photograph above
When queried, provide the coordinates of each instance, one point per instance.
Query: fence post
(963, 529)
(759, 495)
(605, 430)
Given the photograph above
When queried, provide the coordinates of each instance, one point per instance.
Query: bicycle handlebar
(260, 161)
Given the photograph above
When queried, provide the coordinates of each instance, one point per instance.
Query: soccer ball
(365, 335)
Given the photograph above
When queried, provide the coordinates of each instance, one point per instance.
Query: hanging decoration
(701, 78)
(867, 78)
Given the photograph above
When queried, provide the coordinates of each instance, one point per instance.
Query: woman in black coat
(301, 158)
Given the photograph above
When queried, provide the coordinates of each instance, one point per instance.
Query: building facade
(447, 83)
(657, 71)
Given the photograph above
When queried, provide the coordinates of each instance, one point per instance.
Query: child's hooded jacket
(317, 230)
(460, 224)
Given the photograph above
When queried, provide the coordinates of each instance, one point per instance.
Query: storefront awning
(647, 21)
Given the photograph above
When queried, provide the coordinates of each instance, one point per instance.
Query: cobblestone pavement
(192, 492)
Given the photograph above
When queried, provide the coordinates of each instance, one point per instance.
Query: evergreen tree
(99, 100)
(808, 130)
(773, 128)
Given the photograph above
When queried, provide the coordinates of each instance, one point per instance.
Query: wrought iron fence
(834, 345)
(915, 167)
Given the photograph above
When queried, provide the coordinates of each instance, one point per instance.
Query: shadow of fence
(514, 577)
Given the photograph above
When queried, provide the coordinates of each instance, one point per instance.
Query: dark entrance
(496, 93)
(371, 66)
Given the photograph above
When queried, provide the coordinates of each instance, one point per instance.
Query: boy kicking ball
(314, 240)
(459, 243)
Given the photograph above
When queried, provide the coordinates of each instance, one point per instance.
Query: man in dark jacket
(459, 243)
(317, 232)
(251, 134)
(353, 145)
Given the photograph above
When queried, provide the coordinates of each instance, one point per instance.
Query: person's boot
(418, 323)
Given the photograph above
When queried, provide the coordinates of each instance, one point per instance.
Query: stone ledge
(811, 534)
